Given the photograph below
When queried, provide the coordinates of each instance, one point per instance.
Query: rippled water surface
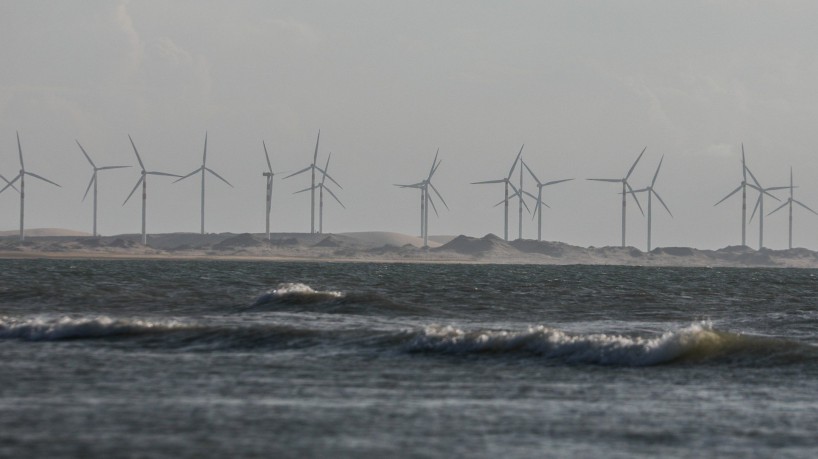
(218, 359)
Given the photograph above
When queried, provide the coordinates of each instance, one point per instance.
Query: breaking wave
(297, 293)
(61, 328)
(695, 343)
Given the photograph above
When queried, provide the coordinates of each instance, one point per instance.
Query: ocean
(158, 358)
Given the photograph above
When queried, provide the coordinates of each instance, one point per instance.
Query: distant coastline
(382, 247)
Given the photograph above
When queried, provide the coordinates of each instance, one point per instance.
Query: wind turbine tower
(203, 169)
(760, 205)
(789, 203)
(21, 176)
(269, 175)
(507, 182)
(625, 188)
(143, 180)
(538, 198)
(651, 193)
(94, 182)
(426, 199)
(322, 186)
(312, 168)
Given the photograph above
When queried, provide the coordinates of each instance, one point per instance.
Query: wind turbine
(652, 192)
(202, 169)
(94, 182)
(760, 205)
(322, 186)
(312, 167)
(426, 200)
(538, 198)
(743, 188)
(144, 181)
(507, 182)
(789, 202)
(21, 176)
(269, 175)
(625, 188)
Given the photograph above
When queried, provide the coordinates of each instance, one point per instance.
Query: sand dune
(378, 246)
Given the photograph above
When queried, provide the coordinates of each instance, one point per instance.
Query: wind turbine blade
(42, 178)
(743, 162)
(731, 194)
(111, 167)
(188, 175)
(435, 168)
(530, 195)
(524, 204)
(434, 207)
(166, 174)
(804, 206)
(514, 165)
(219, 176)
(779, 208)
(554, 182)
(86, 154)
(489, 181)
(653, 182)
(532, 174)
(329, 177)
(204, 155)
(758, 202)
(326, 168)
(753, 177)
(662, 201)
(634, 163)
(20, 150)
(93, 178)
(138, 182)
(634, 195)
(336, 197)
(266, 155)
(501, 202)
(605, 180)
(299, 172)
(414, 185)
(434, 163)
(11, 184)
(765, 191)
(439, 195)
(315, 156)
(306, 189)
(516, 191)
(137, 153)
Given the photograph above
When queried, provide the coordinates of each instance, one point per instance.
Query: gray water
(221, 359)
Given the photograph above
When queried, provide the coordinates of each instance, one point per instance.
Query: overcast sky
(584, 85)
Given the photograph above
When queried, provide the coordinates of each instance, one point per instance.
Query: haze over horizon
(585, 86)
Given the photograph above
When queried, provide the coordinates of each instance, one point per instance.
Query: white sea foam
(606, 349)
(47, 328)
(299, 289)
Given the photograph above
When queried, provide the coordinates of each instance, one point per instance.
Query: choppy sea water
(250, 359)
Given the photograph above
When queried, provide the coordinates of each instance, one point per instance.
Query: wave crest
(298, 293)
(697, 340)
(58, 328)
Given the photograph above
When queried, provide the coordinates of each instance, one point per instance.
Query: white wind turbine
(203, 169)
(21, 176)
(269, 175)
(760, 205)
(743, 188)
(426, 200)
(625, 188)
(144, 182)
(790, 202)
(312, 167)
(652, 192)
(321, 187)
(507, 182)
(538, 198)
(94, 182)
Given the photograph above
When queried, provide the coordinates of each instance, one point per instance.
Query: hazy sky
(585, 85)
